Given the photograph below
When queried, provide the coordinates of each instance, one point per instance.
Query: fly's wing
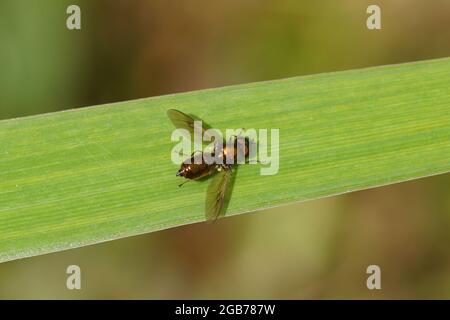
(218, 194)
(183, 121)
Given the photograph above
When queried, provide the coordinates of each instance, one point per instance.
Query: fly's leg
(180, 185)
(221, 167)
(242, 130)
(236, 136)
(239, 134)
(182, 154)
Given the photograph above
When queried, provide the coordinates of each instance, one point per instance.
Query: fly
(195, 167)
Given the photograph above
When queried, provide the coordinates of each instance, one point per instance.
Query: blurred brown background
(318, 249)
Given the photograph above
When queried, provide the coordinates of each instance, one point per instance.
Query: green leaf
(84, 176)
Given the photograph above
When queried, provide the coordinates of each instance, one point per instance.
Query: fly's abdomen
(195, 168)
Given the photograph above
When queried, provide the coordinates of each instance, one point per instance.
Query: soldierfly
(196, 167)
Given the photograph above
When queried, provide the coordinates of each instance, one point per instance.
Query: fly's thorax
(236, 151)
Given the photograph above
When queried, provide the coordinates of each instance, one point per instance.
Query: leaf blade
(91, 175)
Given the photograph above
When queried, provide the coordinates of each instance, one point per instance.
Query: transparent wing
(183, 121)
(218, 195)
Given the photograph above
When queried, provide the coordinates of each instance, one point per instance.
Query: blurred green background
(317, 249)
